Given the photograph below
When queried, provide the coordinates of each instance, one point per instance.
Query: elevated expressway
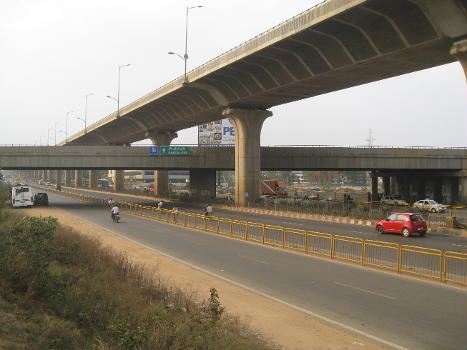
(334, 45)
(404, 165)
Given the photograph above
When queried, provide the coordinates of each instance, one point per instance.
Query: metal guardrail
(430, 263)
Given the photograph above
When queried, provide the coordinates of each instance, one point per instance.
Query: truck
(274, 188)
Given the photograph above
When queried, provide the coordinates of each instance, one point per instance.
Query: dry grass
(61, 290)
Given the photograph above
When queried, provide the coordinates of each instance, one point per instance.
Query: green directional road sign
(174, 151)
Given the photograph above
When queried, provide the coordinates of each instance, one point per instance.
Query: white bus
(22, 196)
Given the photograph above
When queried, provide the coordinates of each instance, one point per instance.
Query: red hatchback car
(404, 223)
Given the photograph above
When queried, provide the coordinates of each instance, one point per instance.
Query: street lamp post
(55, 132)
(118, 93)
(48, 135)
(79, 118)
(86, 112)
(66, 126)
(185, 56)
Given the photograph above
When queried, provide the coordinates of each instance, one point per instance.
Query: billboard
(217, 133)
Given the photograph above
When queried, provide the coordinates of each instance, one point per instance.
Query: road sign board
(154, 150)
(174, 151)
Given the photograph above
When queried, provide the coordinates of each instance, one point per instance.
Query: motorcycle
(116, 218)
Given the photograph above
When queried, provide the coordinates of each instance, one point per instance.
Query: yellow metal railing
(294, 239)
(381, 254)
(424, 262)
(273, 235)
(455, 267)
(319, 243)
(347, 248)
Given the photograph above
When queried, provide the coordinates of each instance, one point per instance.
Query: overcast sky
(54, 52)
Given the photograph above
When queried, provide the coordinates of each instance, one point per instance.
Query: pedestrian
(175, 212)
(209, 210)
(159, 205)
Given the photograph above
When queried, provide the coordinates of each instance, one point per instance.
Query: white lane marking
(295, 307)
(458, 245)
(253, 259)
(364, 290)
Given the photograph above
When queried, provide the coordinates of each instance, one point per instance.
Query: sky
(55, 52)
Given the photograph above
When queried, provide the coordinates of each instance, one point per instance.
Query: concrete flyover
(404, 170)
(223, 158)
(334, 45)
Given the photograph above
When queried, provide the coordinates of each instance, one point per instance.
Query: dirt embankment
(290, 328)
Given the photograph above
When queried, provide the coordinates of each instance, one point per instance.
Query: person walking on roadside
(209, 210)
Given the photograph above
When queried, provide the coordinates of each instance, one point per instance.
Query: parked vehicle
(393, 199)
(403, 223)
(21, 196)
(274, 188)
(430, 205)
(103, 183)
(41, 198)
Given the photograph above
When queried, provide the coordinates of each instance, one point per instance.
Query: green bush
(184, 196)
(75, 294)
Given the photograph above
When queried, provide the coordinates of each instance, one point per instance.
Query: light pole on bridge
(48, 136)
(118, 92)
(185, 56)
(55, 132)
(86, 112)
(66, 126)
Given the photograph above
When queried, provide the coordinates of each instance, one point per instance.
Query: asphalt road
(399, 311)
(430, 240)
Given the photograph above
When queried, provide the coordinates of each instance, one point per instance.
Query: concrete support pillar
(374, 188)
(454, 189)
(459, 51)
(78, 179)
(386, 185)
(438, 189)
(67, 177)
(203, 183)
(92, 178)
(58, 177)
(406, 188)
(248, 124)
(161, 182)
(421, 187)
(161, 177)
(463, 190)
(44, 175)
(118, 180)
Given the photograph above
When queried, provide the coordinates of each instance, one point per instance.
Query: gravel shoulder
(283, 325)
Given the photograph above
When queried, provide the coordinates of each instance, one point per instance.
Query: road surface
(399, 311)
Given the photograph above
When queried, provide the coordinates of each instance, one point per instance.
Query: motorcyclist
(111, 203)
(114, 211)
